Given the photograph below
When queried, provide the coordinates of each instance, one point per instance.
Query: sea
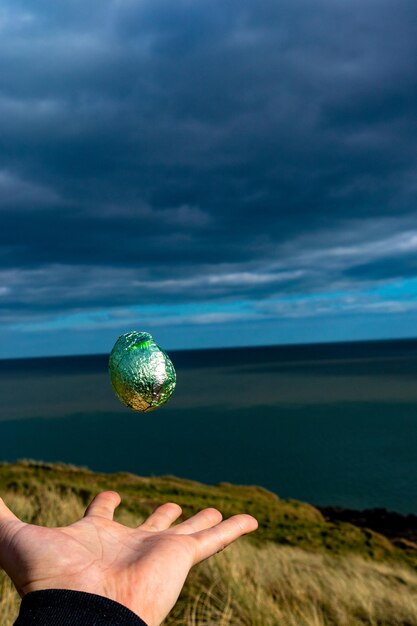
(330, 424)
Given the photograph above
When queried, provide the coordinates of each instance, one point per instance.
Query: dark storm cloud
(163, 151)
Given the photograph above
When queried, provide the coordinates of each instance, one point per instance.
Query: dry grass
(279, 586)
(256, 586)
(9, 600)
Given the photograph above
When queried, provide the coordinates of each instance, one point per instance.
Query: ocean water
(331, 424)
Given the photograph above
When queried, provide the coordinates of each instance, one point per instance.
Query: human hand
(142, 568)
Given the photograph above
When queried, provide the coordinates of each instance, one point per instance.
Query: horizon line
(238, 347)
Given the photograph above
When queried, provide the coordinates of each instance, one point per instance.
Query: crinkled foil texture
(142, 375)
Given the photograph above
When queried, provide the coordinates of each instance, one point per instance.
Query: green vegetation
(296, 570)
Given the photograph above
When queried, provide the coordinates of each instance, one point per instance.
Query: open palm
(143, 568)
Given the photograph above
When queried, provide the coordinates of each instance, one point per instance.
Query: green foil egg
(142, 375)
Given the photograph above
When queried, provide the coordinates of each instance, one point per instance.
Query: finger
(5, 513)
(200, 521)
(103, 505)
(162, 517)
(215, 539)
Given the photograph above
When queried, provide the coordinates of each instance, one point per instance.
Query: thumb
(6, 516)
(5, 513)
(9, 524)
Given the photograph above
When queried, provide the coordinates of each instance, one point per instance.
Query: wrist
(76, 585)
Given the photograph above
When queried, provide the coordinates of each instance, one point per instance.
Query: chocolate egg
(142, 375)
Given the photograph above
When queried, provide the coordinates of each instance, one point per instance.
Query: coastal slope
(302, 567)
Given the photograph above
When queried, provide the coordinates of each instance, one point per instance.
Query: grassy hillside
(296, 570)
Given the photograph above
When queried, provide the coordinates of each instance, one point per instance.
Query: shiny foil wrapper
(142, 375)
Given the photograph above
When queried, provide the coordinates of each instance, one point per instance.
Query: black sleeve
(62, 607)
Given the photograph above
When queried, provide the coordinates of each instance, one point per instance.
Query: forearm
(62, 607)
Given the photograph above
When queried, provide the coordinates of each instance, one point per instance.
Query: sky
(214, 172)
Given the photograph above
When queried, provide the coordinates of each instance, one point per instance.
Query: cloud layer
(205, 155)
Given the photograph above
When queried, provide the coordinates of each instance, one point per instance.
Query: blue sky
(214, 173)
